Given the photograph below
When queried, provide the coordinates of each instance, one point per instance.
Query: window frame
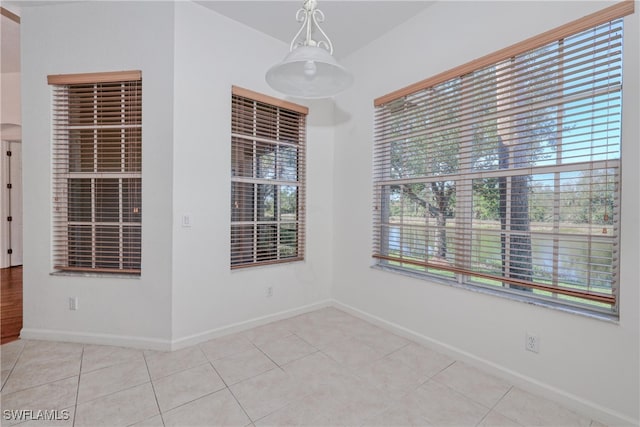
(464, 178)
(253, 241)
(97, 148)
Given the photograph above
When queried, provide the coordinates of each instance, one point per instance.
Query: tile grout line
(227, 385)
(274, 411)
(195, 399)
(217, 373)
(211, 362)
(391, 352)
(172, 373)
(278, 366)
(268, 357)
(75, 407)
(113, 392)
(191, 401)
(113, 364)
(155, 395)
(251, 421)
(502, 397)
(13, 367)
(39, 385)
(291, 334)
(128, 387)
(296, 334)
(438, 372)
(496, 404)
(490, 409)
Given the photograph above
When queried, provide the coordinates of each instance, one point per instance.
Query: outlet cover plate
(532, 342)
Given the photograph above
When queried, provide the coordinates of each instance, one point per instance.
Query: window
(504, 174)
(267, 179)
(97, 172)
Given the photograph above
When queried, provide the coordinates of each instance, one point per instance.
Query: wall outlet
(73, 303)
(532, 343)
(269, 291)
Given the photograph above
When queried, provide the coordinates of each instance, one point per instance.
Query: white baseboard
(100, 339)
(187, 341)
(165, 345)
(524, 382)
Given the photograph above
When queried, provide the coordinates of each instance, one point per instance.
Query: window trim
(10, 15)
(485, 290)
(618, 10)
(276, 102)
(88, 78)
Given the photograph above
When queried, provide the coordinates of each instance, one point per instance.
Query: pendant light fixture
(309, 70)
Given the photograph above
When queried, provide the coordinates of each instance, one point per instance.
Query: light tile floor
(324, 368)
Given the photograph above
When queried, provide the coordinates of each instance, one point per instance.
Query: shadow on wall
(337, 117)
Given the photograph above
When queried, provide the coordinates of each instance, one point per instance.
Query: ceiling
(278, 18)
(274, 18)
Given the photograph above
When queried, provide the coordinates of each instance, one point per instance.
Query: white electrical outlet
(73, 303)
(532, 342)
(269, 291)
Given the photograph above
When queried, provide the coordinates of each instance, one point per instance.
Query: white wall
(212, 53)
(90, 37)
(589, 364)
(10, 100)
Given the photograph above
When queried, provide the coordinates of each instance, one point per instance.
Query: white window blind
(268, 139)
(97, 172)
(507, 176)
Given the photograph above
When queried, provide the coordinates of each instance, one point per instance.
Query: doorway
(11, 241)
(10, 178)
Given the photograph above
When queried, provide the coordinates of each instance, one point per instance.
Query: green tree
(430, 144)
(486, 199)
(599, 207)
(430, 147)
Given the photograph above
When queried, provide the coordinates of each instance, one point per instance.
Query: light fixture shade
(309, 72)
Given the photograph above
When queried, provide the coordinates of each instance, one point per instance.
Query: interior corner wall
(82, 37)
(212, 53)
(589, 364)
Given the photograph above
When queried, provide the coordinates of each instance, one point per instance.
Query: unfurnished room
(320, 213)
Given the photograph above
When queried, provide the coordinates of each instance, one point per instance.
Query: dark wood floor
(10, 303)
